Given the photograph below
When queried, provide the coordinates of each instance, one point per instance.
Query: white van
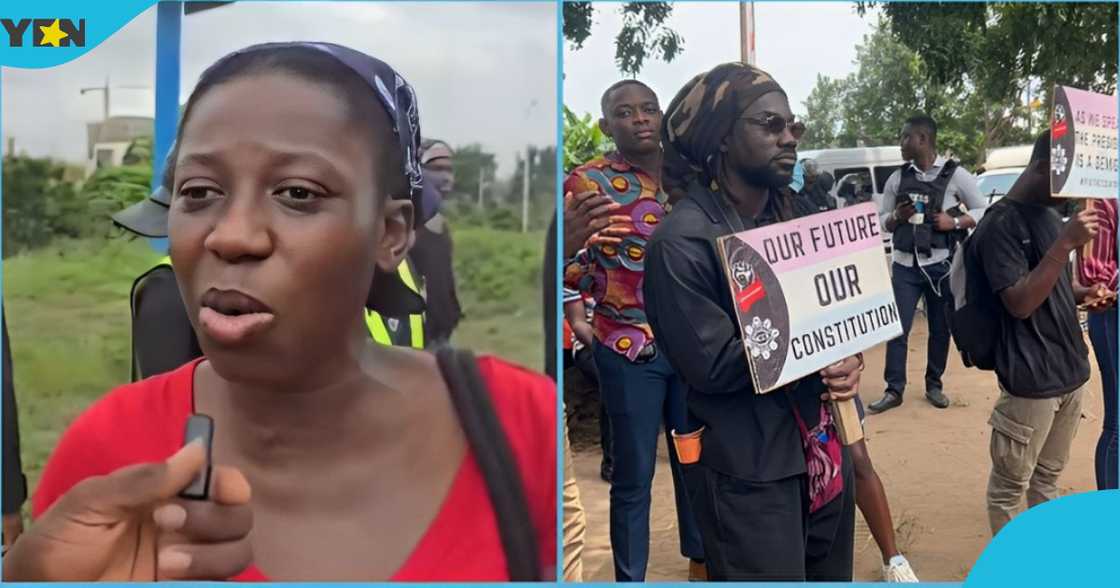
(859, 172)
(1000, 170)
(862, 168)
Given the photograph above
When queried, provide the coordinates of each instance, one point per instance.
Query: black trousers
(763, 530)
(910, 284)
(585, 361)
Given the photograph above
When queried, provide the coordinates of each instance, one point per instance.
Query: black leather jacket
(750, 436)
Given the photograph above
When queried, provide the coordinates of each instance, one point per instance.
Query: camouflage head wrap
(701, 116)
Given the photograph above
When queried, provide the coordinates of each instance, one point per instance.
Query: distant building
(108, 140)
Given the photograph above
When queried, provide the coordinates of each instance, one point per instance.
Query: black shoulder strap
(949, 168)
(945, 176)
(495, 459)
(941, 184)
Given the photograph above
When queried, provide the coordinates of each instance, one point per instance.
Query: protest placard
(1083, 148)
(810, 292)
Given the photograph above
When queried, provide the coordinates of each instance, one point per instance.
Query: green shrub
(39, 204)
(492, 265)
(114, 188)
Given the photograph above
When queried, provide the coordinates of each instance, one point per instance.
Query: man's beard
(763, 176)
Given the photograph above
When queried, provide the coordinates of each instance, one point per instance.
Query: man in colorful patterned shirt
(640, 388)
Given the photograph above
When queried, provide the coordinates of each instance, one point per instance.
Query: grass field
(68, 319)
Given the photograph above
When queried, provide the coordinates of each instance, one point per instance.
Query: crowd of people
(309, 270)
(764, 488)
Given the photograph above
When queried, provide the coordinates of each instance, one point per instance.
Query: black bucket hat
(388, 294)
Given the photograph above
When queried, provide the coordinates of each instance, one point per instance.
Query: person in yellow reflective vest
(162, 335)
(394, 331)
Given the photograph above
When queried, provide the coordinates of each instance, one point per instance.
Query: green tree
(887, 88)
(890, 84)
(111, 189)
(1004, 50)
(542, 187)
(544, 171)
(824, 114)
(472, 162)
(39, 204)
(644, 32)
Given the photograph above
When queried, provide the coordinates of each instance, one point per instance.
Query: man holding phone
(923, 207)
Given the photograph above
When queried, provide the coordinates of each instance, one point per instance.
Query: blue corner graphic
(1066, 542)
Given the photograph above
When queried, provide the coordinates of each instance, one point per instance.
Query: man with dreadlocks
(773, 460)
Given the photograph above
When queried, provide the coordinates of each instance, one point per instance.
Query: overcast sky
(483, 72)
(794, 41)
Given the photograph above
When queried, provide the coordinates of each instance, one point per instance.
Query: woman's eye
(300, 197)
(298, 193)
(197, 192)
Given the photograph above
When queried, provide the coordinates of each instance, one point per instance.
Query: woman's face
(276, 224)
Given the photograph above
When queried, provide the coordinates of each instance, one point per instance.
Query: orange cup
(688, 445)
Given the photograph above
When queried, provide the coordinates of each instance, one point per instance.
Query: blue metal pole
(169, 22)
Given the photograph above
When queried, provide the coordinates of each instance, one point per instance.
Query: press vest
(386, 331)
(911, 189)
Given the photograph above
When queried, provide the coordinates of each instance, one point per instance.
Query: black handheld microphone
(199, 426)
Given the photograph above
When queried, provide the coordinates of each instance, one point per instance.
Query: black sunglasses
(776, 123)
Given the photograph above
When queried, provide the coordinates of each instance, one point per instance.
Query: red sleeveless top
(143, 422)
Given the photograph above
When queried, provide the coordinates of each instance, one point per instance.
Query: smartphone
(1105, 298)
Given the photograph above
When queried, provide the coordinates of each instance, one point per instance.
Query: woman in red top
(294, 175)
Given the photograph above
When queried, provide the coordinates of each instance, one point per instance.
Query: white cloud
(476, 68)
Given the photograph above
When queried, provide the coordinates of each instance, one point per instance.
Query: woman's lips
(232, 330)
(233, 302)
(231, 317)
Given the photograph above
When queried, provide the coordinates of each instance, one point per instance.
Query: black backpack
(974, 311)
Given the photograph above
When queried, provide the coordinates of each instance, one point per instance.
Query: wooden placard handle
(846, 415)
